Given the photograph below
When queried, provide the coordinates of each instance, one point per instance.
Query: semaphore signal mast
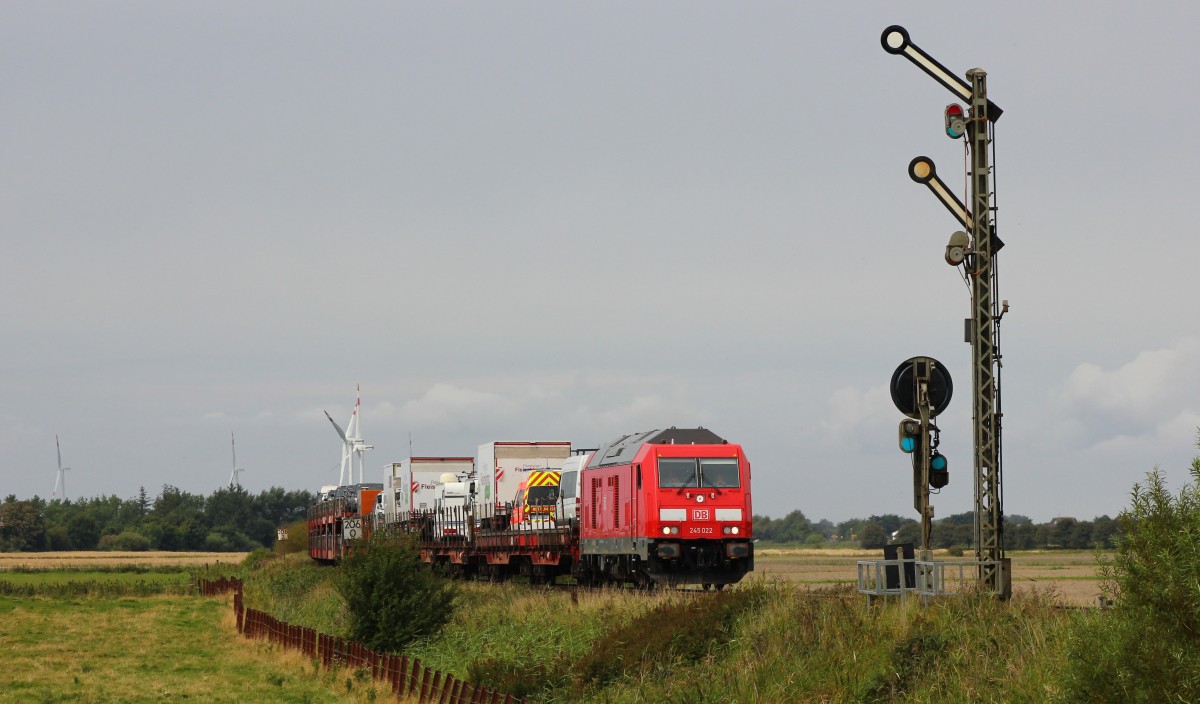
(975, 251)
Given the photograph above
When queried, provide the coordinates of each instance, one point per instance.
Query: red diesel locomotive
(666, 507)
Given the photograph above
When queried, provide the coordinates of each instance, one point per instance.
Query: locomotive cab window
(675, 473)
(721, 473)
(706, 472)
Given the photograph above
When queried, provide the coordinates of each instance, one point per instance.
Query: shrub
(128, 541)
(391, 597)
(872, 537)
(1147, 647)
(297, 540)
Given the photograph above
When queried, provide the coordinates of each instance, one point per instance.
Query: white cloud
(1148, 397)
(444, 401)
(856, 413)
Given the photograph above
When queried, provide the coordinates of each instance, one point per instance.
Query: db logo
(699, 514)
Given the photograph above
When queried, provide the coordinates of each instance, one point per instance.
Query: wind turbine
(60, 481)
(233, 477)
(352, 443)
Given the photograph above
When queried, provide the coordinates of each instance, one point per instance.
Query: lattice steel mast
(985, 349)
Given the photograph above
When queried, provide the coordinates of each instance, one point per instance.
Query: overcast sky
(573, 221)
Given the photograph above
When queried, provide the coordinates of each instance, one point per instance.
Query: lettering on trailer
(700, 514)
(352, 529)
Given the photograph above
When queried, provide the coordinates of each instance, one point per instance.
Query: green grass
(154, 649)
(297, 590)
(762, 641)
(65, 576)
(80, 583)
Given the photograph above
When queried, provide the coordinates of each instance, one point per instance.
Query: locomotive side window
(720, 473)
(674, 473)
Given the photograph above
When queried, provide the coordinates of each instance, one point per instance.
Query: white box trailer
(414, 484)
(502, 466)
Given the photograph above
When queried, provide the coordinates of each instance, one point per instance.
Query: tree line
(1020, 532)
(230, 519)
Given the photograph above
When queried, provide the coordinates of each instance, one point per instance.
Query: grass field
(146, 648)
(1070, 574)
(156, 649)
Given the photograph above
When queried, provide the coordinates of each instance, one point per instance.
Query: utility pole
(976, 252)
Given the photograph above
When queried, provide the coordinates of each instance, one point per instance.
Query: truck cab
(452, 507)
(536, 500)
(569, 488)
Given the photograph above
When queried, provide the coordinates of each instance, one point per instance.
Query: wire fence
(406, 677)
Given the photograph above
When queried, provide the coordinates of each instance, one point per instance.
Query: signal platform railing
(926, 579)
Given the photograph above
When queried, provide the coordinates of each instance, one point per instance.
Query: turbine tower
(60, 481)
(352, 443)
(233, 477)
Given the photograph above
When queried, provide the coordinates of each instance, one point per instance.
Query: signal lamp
(908, 431)
(956, 121)
(939, 471)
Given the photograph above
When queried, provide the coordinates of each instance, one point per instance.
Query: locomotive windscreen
(681, 472)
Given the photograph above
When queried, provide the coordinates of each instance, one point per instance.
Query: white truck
(453, 507)
(503, 465)
(569, 487)
(414, 484)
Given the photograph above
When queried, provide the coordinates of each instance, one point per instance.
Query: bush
(127, 541)
(872, 537)
(297, 538)
(1147, 647)
(391, 597)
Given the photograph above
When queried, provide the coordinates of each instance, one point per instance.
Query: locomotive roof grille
(624, 449)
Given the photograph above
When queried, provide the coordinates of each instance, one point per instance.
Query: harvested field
(1072, 575)
(58, 560)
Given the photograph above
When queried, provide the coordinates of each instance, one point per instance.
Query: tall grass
(295, 589)
(763, 641)
(829, 646)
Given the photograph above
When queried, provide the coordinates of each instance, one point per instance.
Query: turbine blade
(59, 448)
(337, 427)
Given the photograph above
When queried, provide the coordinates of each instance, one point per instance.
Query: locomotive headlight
(731, 530)
(670, 530)
(666, 530)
